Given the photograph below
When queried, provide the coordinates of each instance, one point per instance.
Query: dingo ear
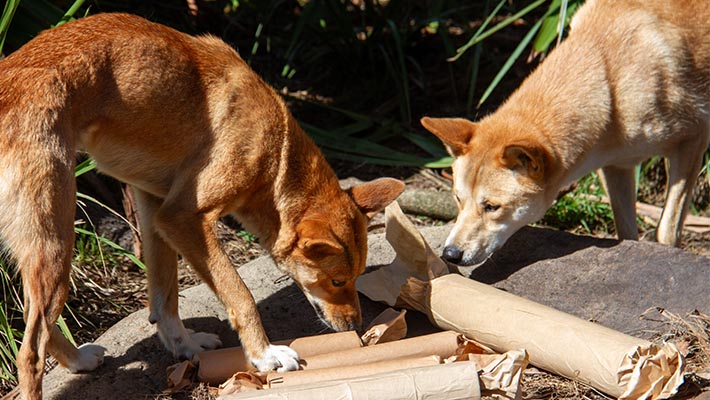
(373, 196)
(530, 159)
(456, 133)
(315, 240)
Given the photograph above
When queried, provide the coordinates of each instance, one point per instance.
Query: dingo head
(499, 183)
(331, 250)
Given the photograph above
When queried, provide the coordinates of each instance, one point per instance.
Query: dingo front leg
(161, 261)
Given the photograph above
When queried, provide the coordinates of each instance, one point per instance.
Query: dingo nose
(453, 254)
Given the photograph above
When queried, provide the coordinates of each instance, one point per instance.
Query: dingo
(198, 135)
(631, 81)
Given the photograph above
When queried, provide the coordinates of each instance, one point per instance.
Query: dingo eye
(338, 283)
(489, 208)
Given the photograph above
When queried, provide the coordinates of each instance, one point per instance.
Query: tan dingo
(631, 81)
(198, 135)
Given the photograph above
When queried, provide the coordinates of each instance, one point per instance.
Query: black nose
(453, 254)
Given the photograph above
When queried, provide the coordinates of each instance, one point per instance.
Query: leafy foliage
(578, 211)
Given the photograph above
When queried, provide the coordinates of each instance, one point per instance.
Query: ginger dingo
(631, 81)
(197, 135)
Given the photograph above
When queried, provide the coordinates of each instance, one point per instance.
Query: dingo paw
(90, 357)
(279, 358)
(186, 347)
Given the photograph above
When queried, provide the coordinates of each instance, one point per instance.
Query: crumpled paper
(651, 372)
(241, 382)
(390, 325)
(180, 376)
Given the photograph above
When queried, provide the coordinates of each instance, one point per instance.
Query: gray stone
(604, 280)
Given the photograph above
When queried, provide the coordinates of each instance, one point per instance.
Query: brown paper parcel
(438, 382)
(617, 364)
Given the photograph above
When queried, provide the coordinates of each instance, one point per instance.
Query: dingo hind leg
(37, 190)
(37, 228)
(682, 168)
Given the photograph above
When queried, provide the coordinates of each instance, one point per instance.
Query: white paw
(185, 347)
(279, 358)
(184, 343)
(206, 341)
(90, 357)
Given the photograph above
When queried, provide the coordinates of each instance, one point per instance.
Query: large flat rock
(607, 281)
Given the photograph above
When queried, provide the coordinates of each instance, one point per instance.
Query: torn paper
(241, 382)
(414, 259)
(180, 376)
(388, 326)
(500, 374)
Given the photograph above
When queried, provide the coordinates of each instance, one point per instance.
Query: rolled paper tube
(455, 381)
(280, 379)
(216, 366)
(615, 363)
(442, 344)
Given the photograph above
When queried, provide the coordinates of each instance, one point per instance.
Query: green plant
(28, 17)
(581, 209)
(543, 32)
(248, 237)
(10, 336)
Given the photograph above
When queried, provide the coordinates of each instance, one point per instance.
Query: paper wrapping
(281, 379)
(179, 376)
(617, 364)
(455, 381)
(241, 382)
(390, 325)
(216, 366)
(500, 374)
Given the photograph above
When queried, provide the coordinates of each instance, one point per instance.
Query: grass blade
(8, 13)
(511, 60)
(405, 107)
(69, 15)
(84, 167)
(113, 245)
(479, 38)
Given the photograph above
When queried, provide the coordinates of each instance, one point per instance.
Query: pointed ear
(456, 133)
(531, 159)
(315, 240)
(371, 197)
